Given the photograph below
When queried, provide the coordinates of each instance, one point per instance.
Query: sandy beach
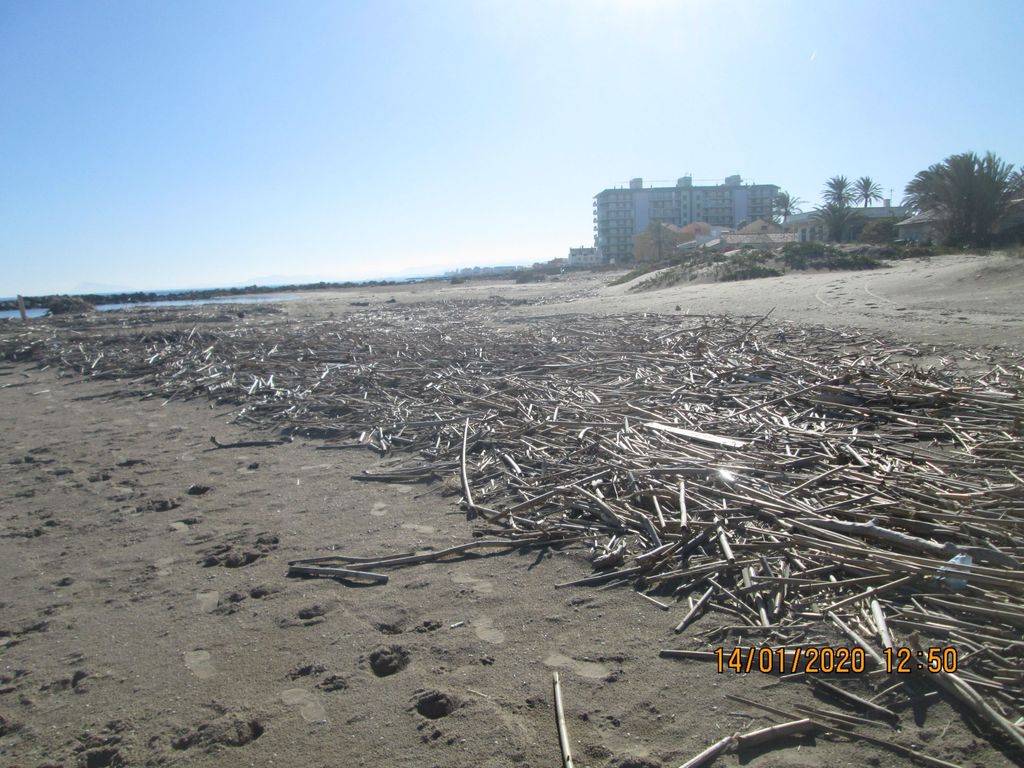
(147, 619)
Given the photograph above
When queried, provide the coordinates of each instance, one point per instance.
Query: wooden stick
(672, 653)
(857, 639)
(701, 437)
(963, 691)
(698, 606)
(563, 733)
(713, 751)
(851, 698)
(658, 603)
(761, 705)
(248, 443)
(840, 717)
(429, 557)
(883, 629)
(723, 542)
(657, 510)
(867, 594)
(772, 732)
(748, 582)
(463, 476)
(892, 746)
(739, 339)
(320, 570)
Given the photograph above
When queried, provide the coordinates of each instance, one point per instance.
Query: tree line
(970, 200)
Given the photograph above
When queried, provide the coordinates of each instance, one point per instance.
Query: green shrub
(879, 231)
(915, 251)
(852, 261)
(798, 256)
(633, 274)
(529, 276)
(747, 265)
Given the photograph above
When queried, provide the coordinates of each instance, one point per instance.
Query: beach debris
(709, 754)
(777, 487)
(563, 732)
(249, 443)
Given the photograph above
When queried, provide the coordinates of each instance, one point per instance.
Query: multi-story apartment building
(584, 257)
(621, 213)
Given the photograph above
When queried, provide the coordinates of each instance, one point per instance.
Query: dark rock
(69, 305)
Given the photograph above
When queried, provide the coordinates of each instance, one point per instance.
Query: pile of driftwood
(793, 480)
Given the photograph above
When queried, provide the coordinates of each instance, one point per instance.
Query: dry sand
(144, 625)
(967, 299)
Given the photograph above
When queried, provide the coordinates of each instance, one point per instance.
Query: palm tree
(836, 218)
(838, 190)
(968, 195)
(866, 190)
(786, 205)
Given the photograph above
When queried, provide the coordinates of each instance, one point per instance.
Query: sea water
(256, 298)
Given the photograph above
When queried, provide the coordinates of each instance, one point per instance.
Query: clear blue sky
(199, 143)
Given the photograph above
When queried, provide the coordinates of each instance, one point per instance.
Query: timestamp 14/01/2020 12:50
(833, 660)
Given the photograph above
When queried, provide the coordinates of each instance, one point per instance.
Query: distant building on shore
(808, 228)
(619, 214)
(925, 227)
(757, 234)
(584, 257)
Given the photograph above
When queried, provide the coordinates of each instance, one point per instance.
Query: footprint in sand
(418, 528)
(486, 631)
(200, 664)
(379, 509)
(589, 669)
(480, 586)
(310, 708)
(207, 600)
